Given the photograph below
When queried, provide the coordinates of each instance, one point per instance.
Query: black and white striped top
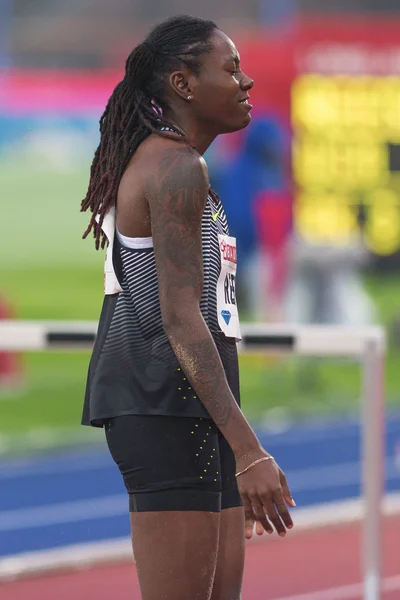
(133, 369)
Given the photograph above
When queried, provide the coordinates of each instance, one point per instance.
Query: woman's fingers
(273, 516)
(285, 489)
(249, 517)
(260, 514)
(259, 528)
(275, 506)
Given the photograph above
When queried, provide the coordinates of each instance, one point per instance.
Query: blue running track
(78, 496)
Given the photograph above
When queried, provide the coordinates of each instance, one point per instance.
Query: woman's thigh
(230, 559)
(175, 553)
(179, 473)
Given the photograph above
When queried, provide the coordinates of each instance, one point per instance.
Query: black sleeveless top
(133, 369)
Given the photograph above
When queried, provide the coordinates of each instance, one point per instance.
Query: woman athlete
(163, 378)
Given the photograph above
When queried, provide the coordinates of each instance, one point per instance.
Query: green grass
(51, 274)
(41, 224)
(53, 394)
(40, 292)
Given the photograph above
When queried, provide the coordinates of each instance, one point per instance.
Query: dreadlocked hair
(135, 108)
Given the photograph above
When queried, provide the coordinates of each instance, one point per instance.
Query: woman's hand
(250, 520)
(265, 495)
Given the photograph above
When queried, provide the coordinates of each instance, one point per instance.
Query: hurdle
(367, 345)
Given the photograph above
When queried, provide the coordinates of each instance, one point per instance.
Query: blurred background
(311, 189)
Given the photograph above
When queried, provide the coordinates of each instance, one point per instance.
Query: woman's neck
(199, 139)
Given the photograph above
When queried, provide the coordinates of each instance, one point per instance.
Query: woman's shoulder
(159, 154)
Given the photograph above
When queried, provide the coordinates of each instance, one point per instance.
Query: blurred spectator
(246, 184)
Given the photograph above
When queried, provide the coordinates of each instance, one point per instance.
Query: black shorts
(173, 463)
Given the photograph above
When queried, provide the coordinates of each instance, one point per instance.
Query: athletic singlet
(133, 369)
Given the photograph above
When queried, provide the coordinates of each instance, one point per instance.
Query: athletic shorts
(173, 463)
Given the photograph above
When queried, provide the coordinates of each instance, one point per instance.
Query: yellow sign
(346, 159)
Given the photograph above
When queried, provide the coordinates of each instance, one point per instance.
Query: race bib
(228, 318)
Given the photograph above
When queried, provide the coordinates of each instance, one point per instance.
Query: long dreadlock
(135, 108)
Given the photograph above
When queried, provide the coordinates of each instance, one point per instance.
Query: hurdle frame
(367, 345)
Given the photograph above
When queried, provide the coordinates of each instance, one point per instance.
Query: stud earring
(189, 97)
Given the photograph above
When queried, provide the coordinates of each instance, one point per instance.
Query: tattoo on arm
(177, 200)
(176, 206)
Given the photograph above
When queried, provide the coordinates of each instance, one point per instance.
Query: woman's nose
(247, 83)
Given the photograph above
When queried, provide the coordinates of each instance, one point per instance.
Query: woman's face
(221, 90)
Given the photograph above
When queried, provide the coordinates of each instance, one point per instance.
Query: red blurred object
(10, 363)
(274, 216)
(358, 44)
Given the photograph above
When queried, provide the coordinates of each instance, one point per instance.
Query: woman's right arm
(177, 197)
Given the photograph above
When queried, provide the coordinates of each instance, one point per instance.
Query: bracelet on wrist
(253, 464)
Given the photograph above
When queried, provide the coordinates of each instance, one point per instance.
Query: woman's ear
(181, 85)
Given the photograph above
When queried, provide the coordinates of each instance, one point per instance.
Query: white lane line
(45, 438)
(346, 592)
(117, 505)
(64, 512)
(78, 556)
(71, 464)
(315, 478)
(95, 553)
